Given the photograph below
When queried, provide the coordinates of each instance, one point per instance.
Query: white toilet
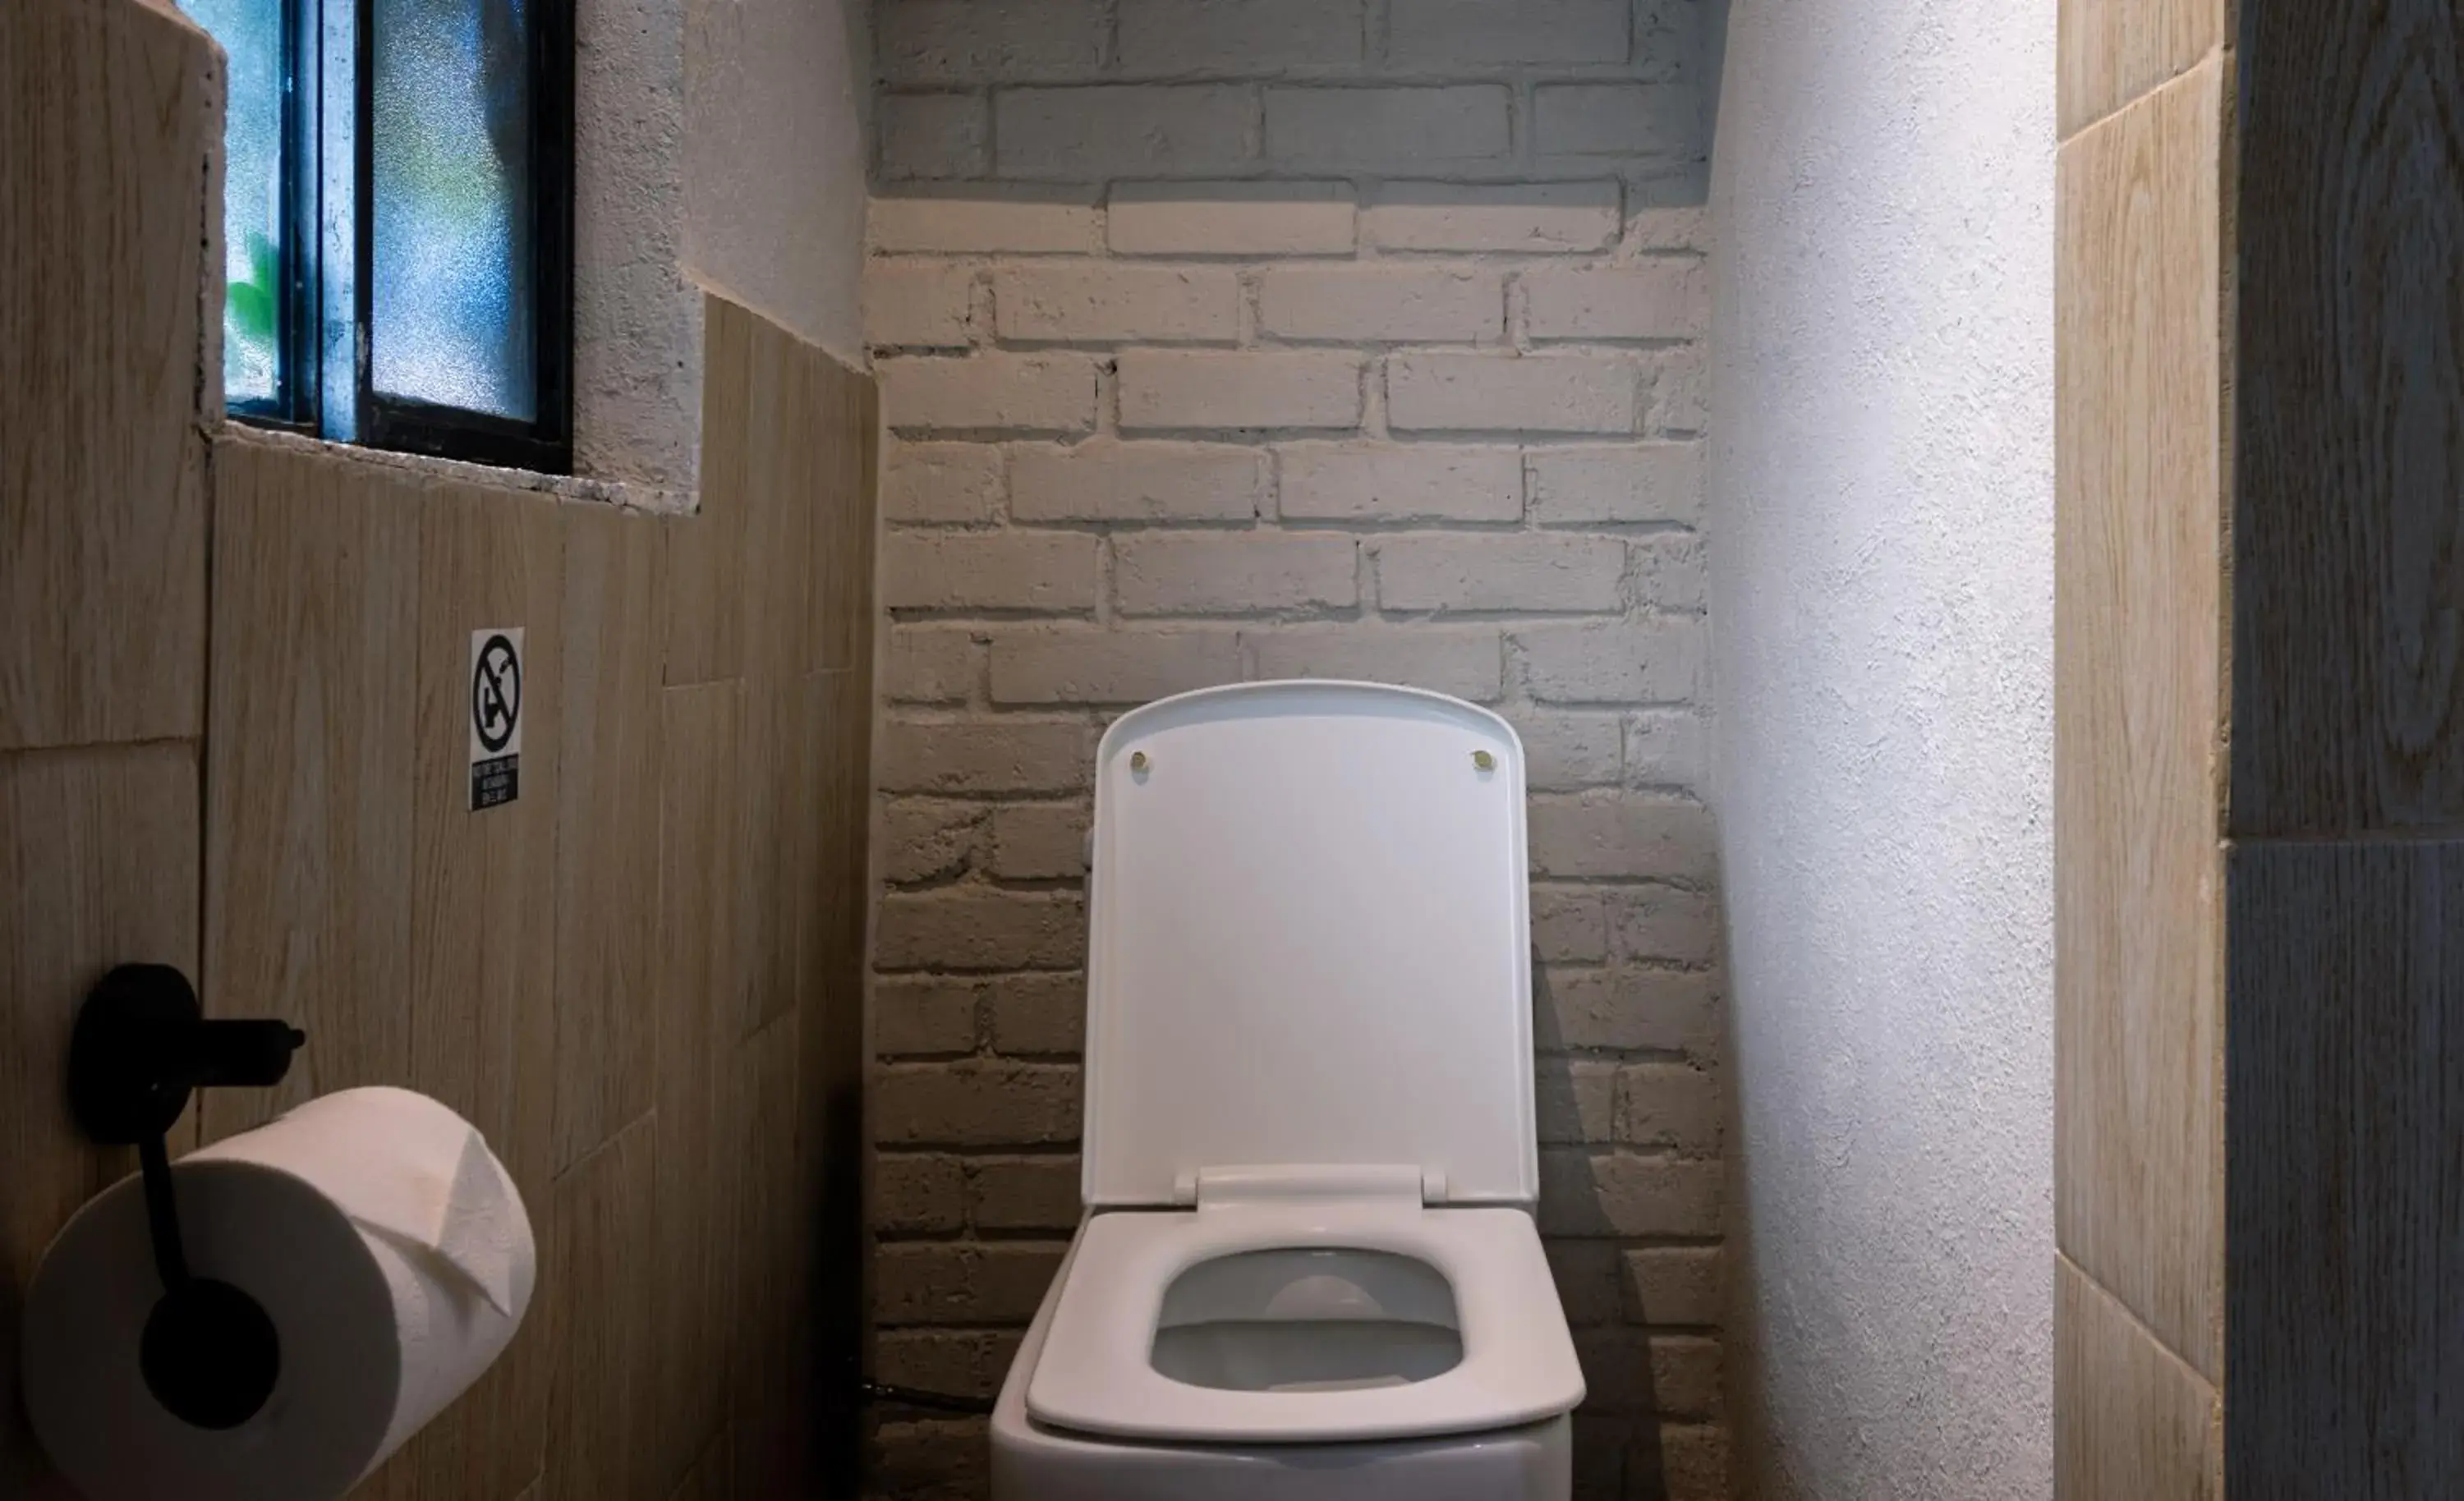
(1308, 1267)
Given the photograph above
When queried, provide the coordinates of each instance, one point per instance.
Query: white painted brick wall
(1235, 339)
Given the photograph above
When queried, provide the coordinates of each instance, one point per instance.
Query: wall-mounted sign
(496, 716)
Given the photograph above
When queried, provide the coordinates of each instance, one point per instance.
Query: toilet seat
(1096, 1373)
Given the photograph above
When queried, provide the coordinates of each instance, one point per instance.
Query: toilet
(1307, 1266)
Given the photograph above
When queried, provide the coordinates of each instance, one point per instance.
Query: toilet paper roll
(385, 1240)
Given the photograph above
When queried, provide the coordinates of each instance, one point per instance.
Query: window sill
(622, 495)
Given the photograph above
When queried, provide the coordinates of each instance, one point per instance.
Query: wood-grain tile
(100, 854)
(2132, 1421)
(2349, 537)
(606, 827)
(705, 609)
(602, 1275)
(774, 1242)
(483, 913)
(701, 881)
(2347, 1227)
(781, 440)
(777, 854)
(109, 115)
(309, 766)
(845, 426)
(2116, 51)
(2138, 654)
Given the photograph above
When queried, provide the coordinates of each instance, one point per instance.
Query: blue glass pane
(450, 300)
(251, 32)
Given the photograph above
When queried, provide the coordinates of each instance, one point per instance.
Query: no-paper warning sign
(496, 716)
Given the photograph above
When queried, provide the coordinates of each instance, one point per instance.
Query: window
(397, 222)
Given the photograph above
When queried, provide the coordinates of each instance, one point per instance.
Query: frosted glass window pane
(251, 32)
(450, 319)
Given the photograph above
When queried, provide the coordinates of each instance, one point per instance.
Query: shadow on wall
(1233, 342)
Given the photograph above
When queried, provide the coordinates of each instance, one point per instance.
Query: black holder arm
(142, 1044)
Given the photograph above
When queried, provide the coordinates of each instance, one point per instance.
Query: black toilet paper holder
(141, 1046)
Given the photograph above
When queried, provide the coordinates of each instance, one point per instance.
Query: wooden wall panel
(2348, 535)
(110, 117)
(99, 852)
(308, 791)
(602, 1280)
(2132, 1421)
(2139, 661)
(2116, 51)
(2347, 1187)
(608, 846)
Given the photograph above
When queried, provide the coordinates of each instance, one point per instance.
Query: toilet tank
(1309, 944)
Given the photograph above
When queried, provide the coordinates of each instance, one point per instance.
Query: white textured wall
(1881, 545)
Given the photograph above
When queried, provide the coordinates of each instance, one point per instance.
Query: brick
(1042, 571)
(1031, 1015)
(1628, 1010)
(1635, 481)
(980, 928)
(1053, 302)
(1568, 924)
(1672, 1105)
(975, 1102)
(1024, 221)
(1653, 223)
(1602, 1444)
(1617, 1193)
(918, 305)
(1123, 130)
(1176, 389)
(1620, 120)
(931, 136)
(1382, 303)
(924, 1283)
(1694, 1463)
(958, 41)
(971, 1362)
(1317, 128)
(1238, 37)
(1664, 923)
(940, 1458)
(1669, 572)
(1023, 1193)
(1663, 297)
(929, 665)
(1523, 571)
(1673, 1285)
(1038, 842)
(1532, 219)
(1110, 666)
(918, 1195)
(924, 1015)
(1680, 395)
(927, 839)
(1232, 219)
(1395, 482)
(1029, 393)
(1104, 480)
(1233, 573)
(1001, 756)
(1590, 1280)
(943, 483)
(1450, 33)
(1650, 662)
(1652, 1375)
(1568, 752)
(1464, 663)
(1666, 748)
(1436, 392)
(1623, 835)
(1576, 1099)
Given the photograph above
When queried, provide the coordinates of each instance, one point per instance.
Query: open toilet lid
(1309, 942)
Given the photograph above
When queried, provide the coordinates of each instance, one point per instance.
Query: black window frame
(399, 424)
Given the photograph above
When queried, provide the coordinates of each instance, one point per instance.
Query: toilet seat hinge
(1226, 1187)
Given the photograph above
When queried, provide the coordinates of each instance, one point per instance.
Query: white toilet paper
(385, 1241)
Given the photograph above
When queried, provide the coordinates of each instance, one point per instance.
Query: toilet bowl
(1308, 1266)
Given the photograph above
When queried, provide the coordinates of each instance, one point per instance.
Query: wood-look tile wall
(2141, 452)
(2262, 835)
(642, 979)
